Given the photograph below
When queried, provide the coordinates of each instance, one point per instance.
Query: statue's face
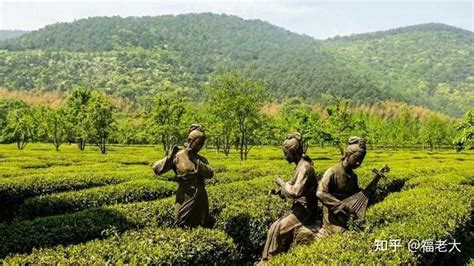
(289, 155)
(355, 160)
(197, 144)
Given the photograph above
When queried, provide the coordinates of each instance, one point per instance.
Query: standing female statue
(302, 190)
(191, 169)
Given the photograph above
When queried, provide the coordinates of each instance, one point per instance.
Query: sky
(320, 19)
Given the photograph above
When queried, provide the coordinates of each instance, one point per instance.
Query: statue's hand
(342, 208)
(174, 150)
(347, 209)
(275, 192)
(279, 181)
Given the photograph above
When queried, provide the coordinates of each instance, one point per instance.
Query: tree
(237, 99)
(299, 117)
(5, 107)
(465, 132)
(76, 116)
(340, 124)
(100, 119)
(165, 112)
(433, 132)
(20, 126)
(53, 126)
(221, 127)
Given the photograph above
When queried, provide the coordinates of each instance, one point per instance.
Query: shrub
(66, 202)
(89, 224)
(155, 246)
(421, 213)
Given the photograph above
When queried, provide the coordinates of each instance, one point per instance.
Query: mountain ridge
(361, 67)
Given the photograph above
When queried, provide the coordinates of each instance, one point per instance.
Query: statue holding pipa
(339, 190)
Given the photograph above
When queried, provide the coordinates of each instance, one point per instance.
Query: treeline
(236, 115)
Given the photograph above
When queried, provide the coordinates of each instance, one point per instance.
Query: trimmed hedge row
(18, 189)
(247, 222)
(155, 246)
(14, 191)
(89, 224)
(67, 202)
(423, 213)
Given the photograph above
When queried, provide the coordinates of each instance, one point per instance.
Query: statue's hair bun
(196, 127)
(294, 135)
(356, 140)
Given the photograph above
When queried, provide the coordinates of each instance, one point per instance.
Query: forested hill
(11, 34)
(430, 64)
(427, 65)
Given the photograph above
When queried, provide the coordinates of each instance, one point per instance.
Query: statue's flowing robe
(336, 185)
(192, 204)
(302, 189)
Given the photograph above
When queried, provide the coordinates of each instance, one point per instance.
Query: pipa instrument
(359, 201)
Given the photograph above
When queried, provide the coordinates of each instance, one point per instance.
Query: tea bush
(138, 190)
(111, 206)
(150, 246)
(422, 213)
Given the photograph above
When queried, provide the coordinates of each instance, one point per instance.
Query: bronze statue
(302, 190)
(190, 169)
(339, 190)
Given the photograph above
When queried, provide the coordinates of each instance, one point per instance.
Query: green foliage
(89, 224)
(5, 108)
(465, 132)
(237, 100)
(11, 34)
(434, 131)
(339, 125)
(165, 115)
(300, 117)
(133, 57)
(20, 126)
(241, 208)
(13, 192)
(99, 120)
(127, 73)
(423, 64)
(76, 116)
(148, 246)
(433, 212)
(136, 190)
(247, 223)
(53, 126)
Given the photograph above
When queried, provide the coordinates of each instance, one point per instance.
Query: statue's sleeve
(163, 165)
(296, 189)
(324, 194)
(204, 169)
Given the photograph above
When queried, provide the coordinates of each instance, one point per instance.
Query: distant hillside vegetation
(11, 34)
(430, 65)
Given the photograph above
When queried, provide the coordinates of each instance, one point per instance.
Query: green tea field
(73, 207)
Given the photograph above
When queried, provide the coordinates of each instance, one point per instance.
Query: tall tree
(20, 126)
(76, 116)
(100, 119)
(340, 124)
(53, 126)
(165, 112)
(300, 117)
(238, 99)
(465, 132)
